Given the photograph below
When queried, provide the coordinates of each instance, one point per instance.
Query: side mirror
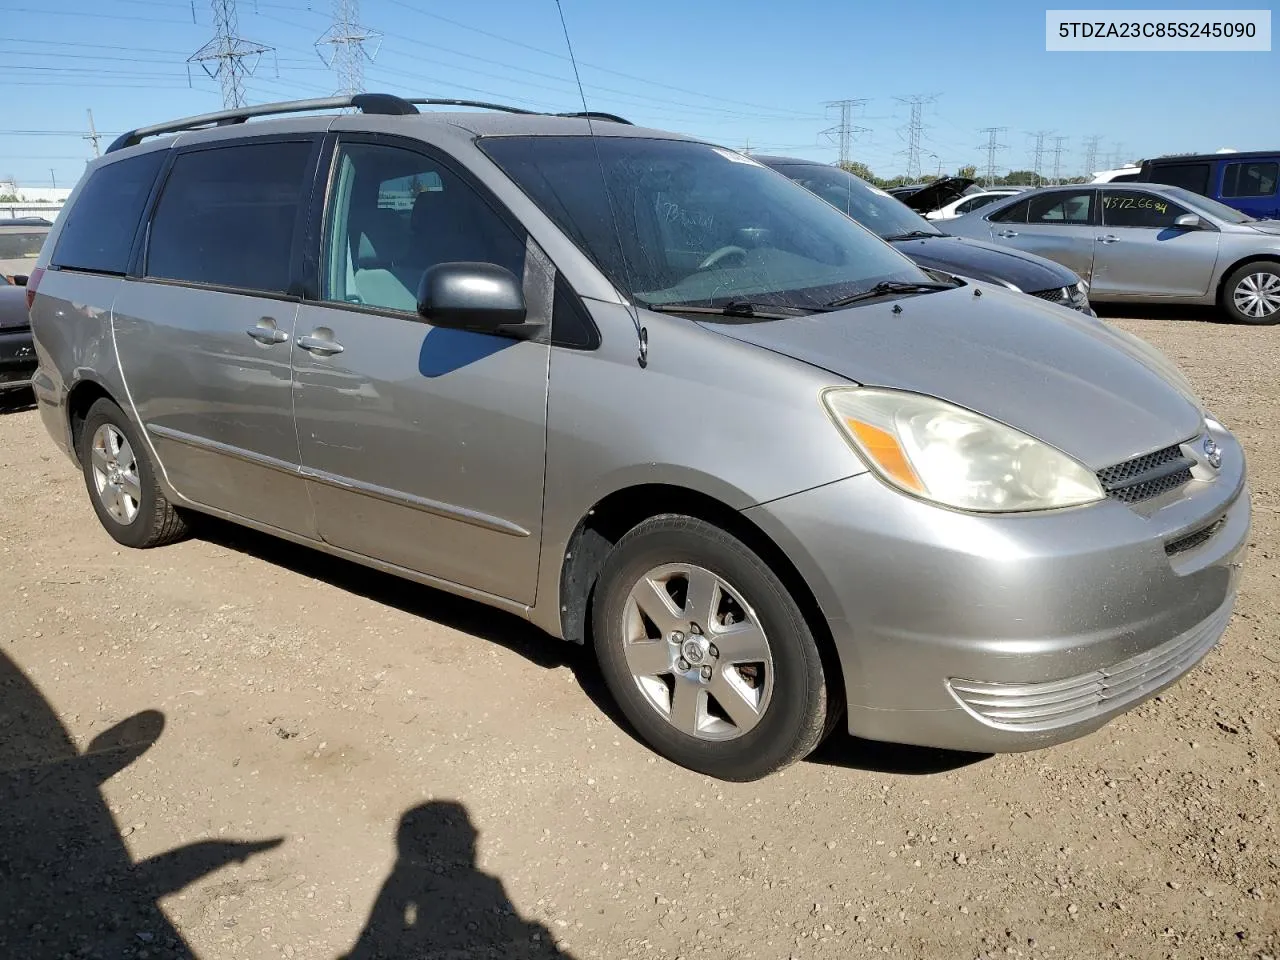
(19, 279)
(1188, 221)
(480, 297)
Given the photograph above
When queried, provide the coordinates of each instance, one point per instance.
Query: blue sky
(740, 72)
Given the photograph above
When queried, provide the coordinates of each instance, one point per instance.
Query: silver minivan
(652, 396)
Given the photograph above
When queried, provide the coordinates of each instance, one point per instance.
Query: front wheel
(706, 652)
(1252, 293)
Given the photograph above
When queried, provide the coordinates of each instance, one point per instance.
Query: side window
(1061, 208)
(227, 216)
(1250, 179)
(1135, 208)
(100, 226)
(1189, 176)
(1014, 213)
(396, 212)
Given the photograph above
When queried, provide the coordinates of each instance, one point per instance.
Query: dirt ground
(263, 752)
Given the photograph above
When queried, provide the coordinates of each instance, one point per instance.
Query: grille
(1148, 476)
(1064, 296)
(1060, 703)
(1056, 295)
(1193, 540)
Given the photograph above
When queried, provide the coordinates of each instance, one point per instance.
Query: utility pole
(1039, 155)
(993, 144)
(915, 126)
(92, 136)
(1091, 156)
(346, 39)
(1057, 159)
(844, 131)
(229, 58)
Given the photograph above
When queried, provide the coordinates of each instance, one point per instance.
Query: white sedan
(970, 202)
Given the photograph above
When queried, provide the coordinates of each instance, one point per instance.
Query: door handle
(320, 345)
(268, 335)
(1109, 238)
(1007, 233)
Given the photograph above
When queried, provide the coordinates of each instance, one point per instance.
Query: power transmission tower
(993, 144)
(844, 131)
(1057, 158)
(1039, 155)
(346, 39)
(92, 136)
(229, 58)
(915, 126)
(1091, 155)
(1117, 156)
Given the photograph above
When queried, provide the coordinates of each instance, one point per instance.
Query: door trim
(447, 510)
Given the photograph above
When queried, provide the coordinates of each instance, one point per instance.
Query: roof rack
(384, 104)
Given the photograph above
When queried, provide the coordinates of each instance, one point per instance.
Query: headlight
(955, 457)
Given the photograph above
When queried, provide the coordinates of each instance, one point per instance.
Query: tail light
(33, 281)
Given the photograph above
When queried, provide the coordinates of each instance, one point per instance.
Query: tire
(121, 481)
(754, 697)
(1251, 293)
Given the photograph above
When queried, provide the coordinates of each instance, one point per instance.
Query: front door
(1141, 253)
(423, 446)
(205, 333)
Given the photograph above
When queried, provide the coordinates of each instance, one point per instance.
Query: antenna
(232, 57)
(346, 39)
(642, 332)
(92, 136)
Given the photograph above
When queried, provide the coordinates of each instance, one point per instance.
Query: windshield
(1212, 207)
(693, 224)
(882, 214)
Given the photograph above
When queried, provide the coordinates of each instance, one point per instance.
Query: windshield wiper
(734, 308)
(886, 287)
(913, 234)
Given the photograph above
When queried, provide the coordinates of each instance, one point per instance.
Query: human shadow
(436, 904)
(68, 886)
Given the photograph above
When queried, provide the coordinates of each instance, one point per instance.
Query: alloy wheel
(115, 474)
(1257, 295)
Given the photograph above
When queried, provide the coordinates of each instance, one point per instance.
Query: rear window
(21, 244)
(227, 216)
(1189, 176)
(100, 226)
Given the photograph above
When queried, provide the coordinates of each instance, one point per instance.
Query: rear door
(1140, 253)
(1057, 225)
(423, 446)
(1251, 187)
(205, 330)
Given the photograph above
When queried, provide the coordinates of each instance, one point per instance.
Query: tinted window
(21, 244)
(1135, 208)
(227, 216)
(100, 226)
(1249, 179)
(1199, 204)
(1061, 207)
(879, 212)
(677, 222)
(394, 214)
(974, 203)
(1189, 176)
(1014, 213)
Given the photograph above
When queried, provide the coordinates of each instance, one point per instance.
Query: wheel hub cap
(1258, 295)
(696, 649)
(115, 474)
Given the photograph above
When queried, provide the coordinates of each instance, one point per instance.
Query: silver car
(652, 396)
(1144, 242)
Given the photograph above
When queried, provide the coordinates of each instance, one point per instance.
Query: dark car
(928, 246)
(17, 356)
(1250, 182)
(930, 196)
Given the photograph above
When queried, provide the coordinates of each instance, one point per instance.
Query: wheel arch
(84, 393)
(1243, 261)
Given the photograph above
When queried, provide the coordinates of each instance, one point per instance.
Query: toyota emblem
(1212, 452)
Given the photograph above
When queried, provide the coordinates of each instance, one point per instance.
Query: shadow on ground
(1156, 311)
(15, 401)
(68, 886)
(520, 636)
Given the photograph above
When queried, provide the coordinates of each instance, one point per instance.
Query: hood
(937, 194)
(986, 261)
(1063, 378)
(1269, 227)
(13, 306)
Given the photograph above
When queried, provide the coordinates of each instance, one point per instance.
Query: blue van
(1246, 181)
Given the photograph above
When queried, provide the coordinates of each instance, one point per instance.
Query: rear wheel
(1251, 293)
(121, 481)
(706, 652)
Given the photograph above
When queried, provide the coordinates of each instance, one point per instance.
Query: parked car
(927, 245)
(926, 197)
(1119, 175)
(650, 395)
(1143, 242)
(20, 242)
(971, 202)
(17, 355)
(1249, 182)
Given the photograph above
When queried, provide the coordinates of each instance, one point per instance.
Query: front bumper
(17, 358)
(1003, 633)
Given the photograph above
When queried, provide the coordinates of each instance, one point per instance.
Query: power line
(233, 57)
(1057, 158)
(993, 144)
(845, 130)
(346, 38)
(915, 127)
